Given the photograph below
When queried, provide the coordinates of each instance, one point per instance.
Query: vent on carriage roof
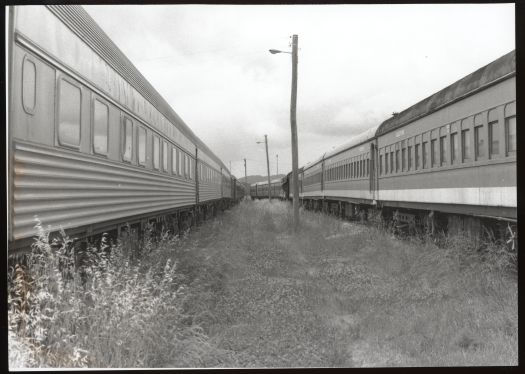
(501, 68)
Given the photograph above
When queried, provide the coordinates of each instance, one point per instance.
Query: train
(93, 147)
(259, 190)
(448, 162)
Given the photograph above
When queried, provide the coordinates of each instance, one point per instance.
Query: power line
(182, 55)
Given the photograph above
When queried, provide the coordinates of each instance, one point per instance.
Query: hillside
(260, 178)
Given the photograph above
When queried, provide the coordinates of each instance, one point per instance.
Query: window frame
(434, 153)
(165, 162)
(424, 155)
(455, 150)
(417, 154)
(96, 98)
(30, 111)
(479, 134)
(143, 129)
(509, 113)
(174, 161)
(397, 162)
(123, 138)
(443, 161)
(157, 138)
(507, 143)
(62, 77)
(409, 157)
(465, 140)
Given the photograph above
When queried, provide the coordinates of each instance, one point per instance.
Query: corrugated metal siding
(70, 190)
(209, 191)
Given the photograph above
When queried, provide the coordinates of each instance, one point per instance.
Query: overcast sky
(357, 65)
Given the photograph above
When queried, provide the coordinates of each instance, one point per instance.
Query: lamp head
(274, 51)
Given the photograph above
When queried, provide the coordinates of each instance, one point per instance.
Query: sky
(357, 65)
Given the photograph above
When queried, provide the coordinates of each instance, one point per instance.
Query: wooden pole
(245, 180)
(293, 123)
(268, 167)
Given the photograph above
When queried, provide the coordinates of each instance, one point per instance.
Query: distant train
(92, 145)
(259, 190)
(448, 161)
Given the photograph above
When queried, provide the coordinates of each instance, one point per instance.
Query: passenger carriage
(92, 145)
(455, 151)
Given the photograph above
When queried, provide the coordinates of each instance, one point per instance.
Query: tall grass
(102, 306)
(247, 291)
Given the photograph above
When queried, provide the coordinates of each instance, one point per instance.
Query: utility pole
(293, 123)
(245, 180)
(277, 157)
(268, 167)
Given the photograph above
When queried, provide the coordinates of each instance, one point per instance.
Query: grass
(243, 290)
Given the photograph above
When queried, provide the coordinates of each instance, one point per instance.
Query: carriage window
(156, 152)
(100, 127)
(386, 162)
(479, 137)
(391, 162)
(127, 137)
(510, 130)
(69, 114)
(165, 156)
(416, 156)
(367, 166)
(465, 145)
(425, 155)
(434, 152)
(454, 148)
(398, 163)
(494, 138)
(443, 150)
(28, 86)
(181, 162)
(186, 166)
(403, 157)
(174, 163)
(380, 164)
(191, 168)
(409, 158)
(142, 145)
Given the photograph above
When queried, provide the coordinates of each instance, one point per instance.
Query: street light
(293, 124)
(274, 51)
(268, 166)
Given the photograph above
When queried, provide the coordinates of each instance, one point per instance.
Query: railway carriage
(454, 152)
(449, 160)
(343, 178)
(92, 145)
(260, 190)
(276, 188)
